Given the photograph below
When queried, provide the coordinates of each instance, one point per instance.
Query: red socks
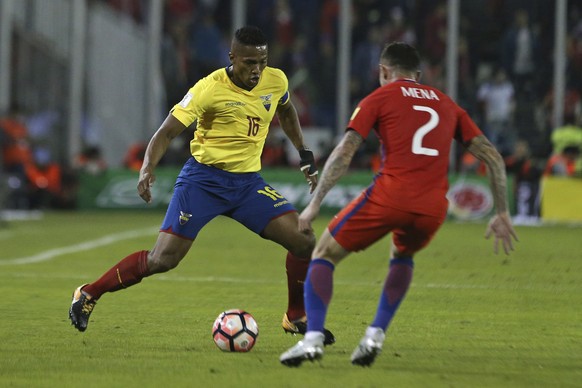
(126, 273)
(134, 268)
(296, 273)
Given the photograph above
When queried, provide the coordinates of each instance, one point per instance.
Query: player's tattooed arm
(337, 163)
(483, 150)
(499, 226)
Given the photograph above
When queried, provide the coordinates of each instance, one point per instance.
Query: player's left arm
(289, 120)
(500, 225)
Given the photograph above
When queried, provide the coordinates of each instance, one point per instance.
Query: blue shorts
(203, 192)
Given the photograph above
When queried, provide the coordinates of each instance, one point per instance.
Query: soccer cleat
(81, 308)
(304, 350)
(299, 326)
(368, 348)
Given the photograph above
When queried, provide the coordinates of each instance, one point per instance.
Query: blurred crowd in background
(504, 81)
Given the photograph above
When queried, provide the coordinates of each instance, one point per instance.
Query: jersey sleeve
(466, 127)
(284, 85)
(364, 117)
(191, 106)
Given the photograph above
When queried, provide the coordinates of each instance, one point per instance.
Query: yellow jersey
(231, 123)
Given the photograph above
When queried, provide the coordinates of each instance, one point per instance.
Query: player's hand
(500, 227)
(307, 165)
(146, 181)
(307, 216)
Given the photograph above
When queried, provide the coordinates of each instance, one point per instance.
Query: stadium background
(100, 75)
(83, 73)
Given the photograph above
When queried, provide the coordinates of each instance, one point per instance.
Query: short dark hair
(401, 55)
(250, 36)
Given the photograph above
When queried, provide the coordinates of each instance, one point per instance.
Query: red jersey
(416, 125)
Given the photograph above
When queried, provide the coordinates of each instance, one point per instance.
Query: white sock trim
(373, 331)
(313, 336)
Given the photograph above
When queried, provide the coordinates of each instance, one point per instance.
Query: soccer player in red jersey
(416, 125)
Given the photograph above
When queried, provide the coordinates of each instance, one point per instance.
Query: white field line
(84, 246)
(371, 284)
(342, 283)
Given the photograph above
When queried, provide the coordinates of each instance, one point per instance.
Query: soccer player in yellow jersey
(232, 108)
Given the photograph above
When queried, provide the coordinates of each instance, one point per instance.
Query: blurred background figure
(565, 163)
(16, 148)
(364, 76)
(566, 146)
(175, 62)
(569, 134)
(207, 46)
(134, 156)
(50, 186)
(274, 153)
(44, 180)
(496, 99)
(90, 161)
(16, 154)
(520, 53)
(526, 175)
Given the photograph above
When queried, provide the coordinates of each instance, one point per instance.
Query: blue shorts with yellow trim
(203, 192)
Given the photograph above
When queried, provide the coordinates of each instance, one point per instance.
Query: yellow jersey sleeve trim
(182, 117)
(187, 110)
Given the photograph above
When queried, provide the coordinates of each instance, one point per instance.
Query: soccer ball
(235, 331)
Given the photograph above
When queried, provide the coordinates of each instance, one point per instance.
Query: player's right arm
(335, 167)
(500, 225)
(157, 147)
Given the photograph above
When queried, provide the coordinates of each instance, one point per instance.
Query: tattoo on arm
(337, 164)
(483, 150)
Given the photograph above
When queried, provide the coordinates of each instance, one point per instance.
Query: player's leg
(178, 231)
(354, 228)
(284, 230)
(406, 241)
(266, 212)
(415, 234)
(395, 286)
(166, 254)
(318, 293)
(357, 226)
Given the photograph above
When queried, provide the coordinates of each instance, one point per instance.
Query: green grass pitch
(471, 318)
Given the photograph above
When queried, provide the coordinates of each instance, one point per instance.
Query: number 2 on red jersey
(417, 147)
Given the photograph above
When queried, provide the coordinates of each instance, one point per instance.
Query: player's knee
(303, 245)
(324, 251)
(158, 263)
(402, 253)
